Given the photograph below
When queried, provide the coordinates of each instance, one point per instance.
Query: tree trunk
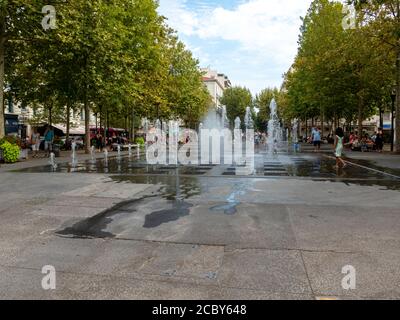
(87, 123)
(107, 124)
(51, 114)
(2, 61)
(322, 124)
(360, 117)
(397, 135)
(306, 128)
(68, 119)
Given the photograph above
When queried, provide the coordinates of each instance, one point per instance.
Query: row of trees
(115, 58)
(345, 73)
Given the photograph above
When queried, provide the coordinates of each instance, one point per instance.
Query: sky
(254, 42)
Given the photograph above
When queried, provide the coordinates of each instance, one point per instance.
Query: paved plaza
(132, 231)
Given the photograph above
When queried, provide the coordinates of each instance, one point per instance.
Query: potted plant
(10, 152)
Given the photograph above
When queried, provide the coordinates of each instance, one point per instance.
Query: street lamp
(393, 96)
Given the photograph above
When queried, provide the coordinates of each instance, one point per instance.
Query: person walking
(379, 143)
(35, 142)
(48, 140)
(316, 138)
(339, 148)
(99, 142)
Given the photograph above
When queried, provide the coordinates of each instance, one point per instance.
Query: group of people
(36, 141)
(100, 142)
(338, 144)
(366, 143)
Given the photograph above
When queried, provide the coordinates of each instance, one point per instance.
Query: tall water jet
(295, 135)
(119, 152)
(238, 123)
(224, 118)
(274, 129)
(158, 124)
(248, 119)
(106, 158)
(92, 154)
(146, 132)
(130, 151)
(213, 119)
(74, 160)
(52, 161)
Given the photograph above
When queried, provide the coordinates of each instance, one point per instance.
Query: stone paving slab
(109, 190)
(88, 202)
(265, 269)
(147, 260)
(346, 229)
(26, 284)
(323, 193)
(377, 274)
(68, 211)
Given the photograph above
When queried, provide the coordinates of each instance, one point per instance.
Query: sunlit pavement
(131, 231)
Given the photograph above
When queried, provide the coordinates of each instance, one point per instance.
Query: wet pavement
(211, 190)
(281, 165)
(283, 232)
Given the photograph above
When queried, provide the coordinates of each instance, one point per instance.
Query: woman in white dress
(35, 142)
(339, 148)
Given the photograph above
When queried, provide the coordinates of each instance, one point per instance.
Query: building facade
(20, 120)
(216, 84)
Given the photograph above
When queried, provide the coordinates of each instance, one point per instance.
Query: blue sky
(252, 41)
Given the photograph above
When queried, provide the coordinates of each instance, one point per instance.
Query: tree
(381, 21)
(337, 73)
(115, 58)
(19, 22)
(236, 100)
(262, 103)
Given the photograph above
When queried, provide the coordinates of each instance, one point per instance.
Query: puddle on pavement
(232, 202)
(174, 201)
(179, 210)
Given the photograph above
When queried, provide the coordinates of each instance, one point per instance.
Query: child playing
(339, 148)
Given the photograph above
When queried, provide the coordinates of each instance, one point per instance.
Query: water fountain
(106, 157)
(274, 129)
(146, 131)
(248, 119)
(52, 161)
(119, 152)
(249, 169)
(295, 135)
(74, 159)
(212, 120)
(224, 118)
(92, 154)
(130, 151)
(158, 124)
(238, 123)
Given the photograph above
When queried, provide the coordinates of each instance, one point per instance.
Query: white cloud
(266, 30)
